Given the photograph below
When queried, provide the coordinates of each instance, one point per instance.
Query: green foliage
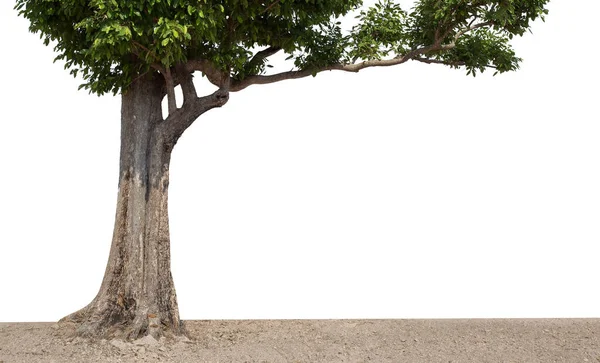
(321, 46)
(480, 48)
(111, 42)
(382, 30)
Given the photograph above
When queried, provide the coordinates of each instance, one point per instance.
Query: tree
(144, 49)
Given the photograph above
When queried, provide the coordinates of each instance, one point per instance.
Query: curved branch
(260, 56)
(356, 67)
(241, 84)
(184, 117)
(212, 73)
(472, 27)
(270, 6)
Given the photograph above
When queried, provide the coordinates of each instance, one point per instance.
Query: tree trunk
(137, 295)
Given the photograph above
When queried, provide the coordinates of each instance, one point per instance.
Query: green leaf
(111, 42)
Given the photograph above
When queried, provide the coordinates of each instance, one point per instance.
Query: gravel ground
(295, 341)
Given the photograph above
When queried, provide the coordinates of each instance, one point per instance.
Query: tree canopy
(111, 42)
(145, 48)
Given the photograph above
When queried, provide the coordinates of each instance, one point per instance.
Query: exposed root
(93, 322)
(78, 316)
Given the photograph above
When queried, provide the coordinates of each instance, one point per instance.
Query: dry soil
(294, 341)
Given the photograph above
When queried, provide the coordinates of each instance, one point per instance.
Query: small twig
(270, 6)
(151, 53)
(470, 28)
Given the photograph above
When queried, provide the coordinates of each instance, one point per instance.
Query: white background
(406, 192)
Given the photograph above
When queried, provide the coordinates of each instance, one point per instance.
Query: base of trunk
(100, 320)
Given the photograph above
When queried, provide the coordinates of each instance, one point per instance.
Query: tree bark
(137, 296)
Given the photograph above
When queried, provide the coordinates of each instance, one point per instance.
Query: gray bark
(137, 296)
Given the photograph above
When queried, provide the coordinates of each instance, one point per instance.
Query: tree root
(104, 321)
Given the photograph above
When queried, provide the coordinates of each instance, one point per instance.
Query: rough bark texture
(137, 296)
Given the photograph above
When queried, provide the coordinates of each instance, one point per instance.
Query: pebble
(184, 339)
(78, 340)
(148, 340)
(119, 344)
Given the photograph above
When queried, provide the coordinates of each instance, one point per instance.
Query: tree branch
(470, 28)
(169, 85)
(260, 56)
(150, 53)
(259, 79)
(437, 61)
(184, 117)
(270, 6)
(186, 81)
(212, 73)
(356, 67)
(170, 90)
(456, 64)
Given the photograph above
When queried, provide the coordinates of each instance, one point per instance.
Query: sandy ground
(295, 341)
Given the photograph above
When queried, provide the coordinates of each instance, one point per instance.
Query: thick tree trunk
(137, 296)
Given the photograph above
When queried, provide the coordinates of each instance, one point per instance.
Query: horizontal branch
(260, 79)
(437, 61)
(356, 67)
